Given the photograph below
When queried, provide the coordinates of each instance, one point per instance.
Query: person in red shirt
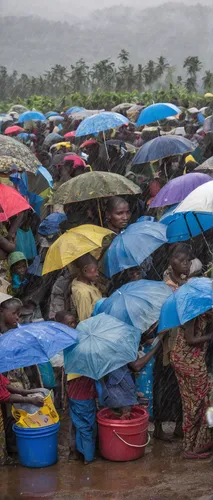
(10, 394)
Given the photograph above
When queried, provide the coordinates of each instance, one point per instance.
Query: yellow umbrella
(59, 145)
(72, 245)
(208, 94)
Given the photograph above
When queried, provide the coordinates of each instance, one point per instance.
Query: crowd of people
(172, 375)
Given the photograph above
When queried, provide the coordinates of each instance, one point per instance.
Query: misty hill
(33, 45)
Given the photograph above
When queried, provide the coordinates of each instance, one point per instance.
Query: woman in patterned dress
(188, 360)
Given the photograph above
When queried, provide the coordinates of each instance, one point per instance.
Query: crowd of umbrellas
(187, 200)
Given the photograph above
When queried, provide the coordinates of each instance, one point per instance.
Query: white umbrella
(199, 200)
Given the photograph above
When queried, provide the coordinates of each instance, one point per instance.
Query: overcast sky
(60, 10)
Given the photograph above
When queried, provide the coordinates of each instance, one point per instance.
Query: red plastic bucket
(123, 440)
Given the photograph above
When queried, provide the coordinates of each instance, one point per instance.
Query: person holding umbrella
(189, 309)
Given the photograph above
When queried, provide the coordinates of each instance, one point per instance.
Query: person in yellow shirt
(85, 293)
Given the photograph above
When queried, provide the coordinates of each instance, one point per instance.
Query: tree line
(105, 76)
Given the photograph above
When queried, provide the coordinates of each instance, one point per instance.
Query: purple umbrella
(177, 189)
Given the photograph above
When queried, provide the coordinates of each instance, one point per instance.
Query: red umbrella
(77, 160)
(13, 130)
(11, 202)
(90, 142)
(70, 134)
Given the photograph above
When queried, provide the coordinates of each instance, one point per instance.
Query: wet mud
(161, 475)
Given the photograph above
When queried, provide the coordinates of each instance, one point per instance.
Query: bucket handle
(134, 445)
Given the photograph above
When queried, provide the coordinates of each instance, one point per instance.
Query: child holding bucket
(118, 387)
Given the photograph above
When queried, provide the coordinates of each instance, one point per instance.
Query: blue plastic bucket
(37, 447)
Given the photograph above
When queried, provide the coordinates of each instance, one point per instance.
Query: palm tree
(208, 81)
(102, 75)
(179, 81)
(150, 73)
(123, 57)
(162, 65)
(193, 66)
(80, 77)
(139, 78)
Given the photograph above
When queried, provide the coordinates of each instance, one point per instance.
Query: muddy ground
(161, 475)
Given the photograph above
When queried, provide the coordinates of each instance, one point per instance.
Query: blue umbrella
(138, 303)
(53, 138)
(51, 113)
(25, 137)
(50, 225)
(131, 247)
(182, 226)
(101, 122)
(31, 115)
(34, 343)
(188, 302)
(162, 147)
(157, 112)
(105, 344)
(56, 118)
(74, 109)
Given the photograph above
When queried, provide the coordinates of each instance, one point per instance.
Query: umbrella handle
(99, 213)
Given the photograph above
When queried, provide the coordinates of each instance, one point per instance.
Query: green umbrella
(8, 162)
(18, 154)
(94, 185)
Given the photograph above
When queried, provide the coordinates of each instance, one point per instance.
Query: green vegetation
(103, 85)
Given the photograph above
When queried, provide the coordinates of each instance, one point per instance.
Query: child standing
(84, 292)
(82, 406)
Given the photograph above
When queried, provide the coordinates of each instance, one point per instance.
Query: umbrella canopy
(34, 343)
(121, 107)
(105, 344)
(94, 185)
(11, 202)
(74, 109)
(23, 136)
(185, 225)
(138, 303)
(177, 189)
(162, 147)
(89, 142)
(56, 118)
(12, 148)
(51, 113)
(72, 245)
(208, 124)
(8, 163)
(18, 108)
(51, 138)
(186, 303)
(131, 247)
(70, 134)
(157, 112)
(81, 115)
(15, 129)
(51, 224)
(101, 122)
(31, 115)
(199, 200)
(6, 118)
(206, 167)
